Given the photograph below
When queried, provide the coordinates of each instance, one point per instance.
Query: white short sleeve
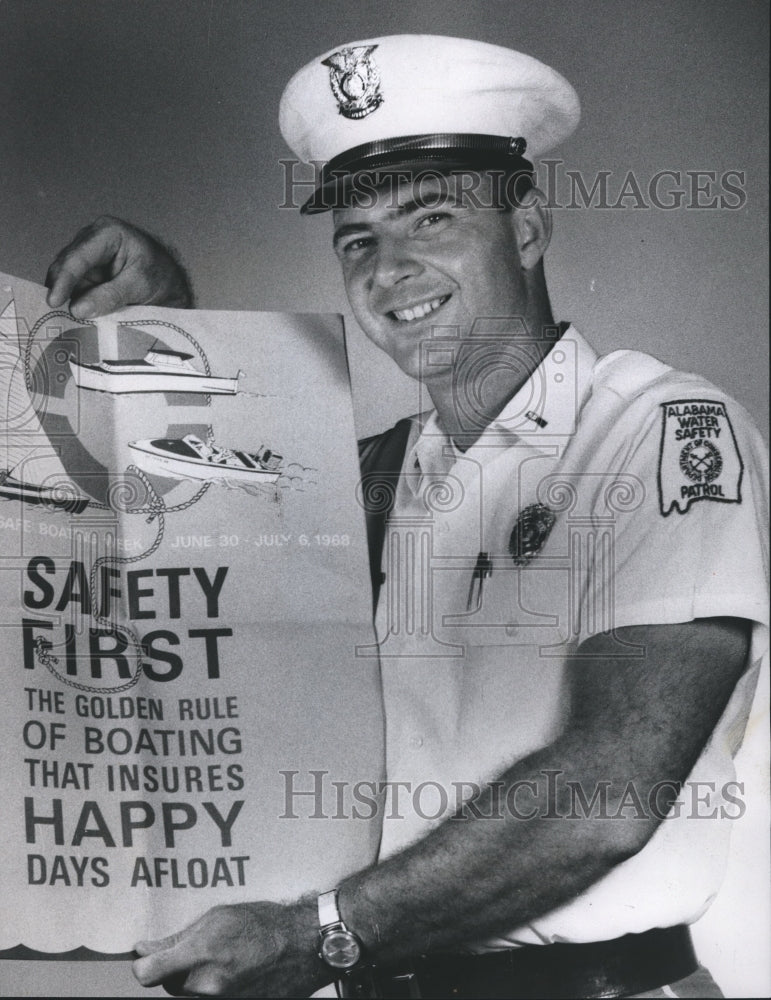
(694, 542)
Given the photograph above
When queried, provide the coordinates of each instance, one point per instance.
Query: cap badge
(355, 80)
(530, 532)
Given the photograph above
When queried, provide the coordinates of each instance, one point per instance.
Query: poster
(184, 587)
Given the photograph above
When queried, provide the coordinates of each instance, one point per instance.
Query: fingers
(193, 962)
(175, 986)
(237, 950)
(143, 948)
(180, 975)
(166, 961)
(128, 287)
(111, 264)
(94, 247)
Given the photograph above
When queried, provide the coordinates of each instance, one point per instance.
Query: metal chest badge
(529, 534)
(355, 80)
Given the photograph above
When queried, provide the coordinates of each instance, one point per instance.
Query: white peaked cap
(384, 91)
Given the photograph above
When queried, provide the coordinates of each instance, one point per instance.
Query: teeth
(418, 312)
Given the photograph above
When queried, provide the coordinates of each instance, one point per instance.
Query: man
(569, 582)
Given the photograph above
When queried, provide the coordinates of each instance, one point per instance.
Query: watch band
(339, 947)
(329, 912)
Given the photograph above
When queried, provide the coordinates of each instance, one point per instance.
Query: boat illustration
(60, 497)
(159, 371)
(191, 458)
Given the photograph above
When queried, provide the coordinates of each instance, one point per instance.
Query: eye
(432, 220)
(352, 247)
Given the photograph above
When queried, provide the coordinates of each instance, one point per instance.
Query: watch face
(340, 949)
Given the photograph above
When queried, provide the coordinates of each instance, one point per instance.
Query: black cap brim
(365, 167)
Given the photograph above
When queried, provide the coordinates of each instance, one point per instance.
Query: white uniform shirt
(469, 689)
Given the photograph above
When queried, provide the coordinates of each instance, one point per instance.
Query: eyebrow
(348, 229)
(430, 202)
(416, 204)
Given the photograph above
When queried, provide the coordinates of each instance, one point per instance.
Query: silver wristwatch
(338, 947)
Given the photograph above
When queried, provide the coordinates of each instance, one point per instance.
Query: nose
(394, 261)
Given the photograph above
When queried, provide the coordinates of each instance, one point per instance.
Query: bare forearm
(633, 726)
(502, 862)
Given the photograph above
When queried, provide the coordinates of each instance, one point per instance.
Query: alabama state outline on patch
(699, 457)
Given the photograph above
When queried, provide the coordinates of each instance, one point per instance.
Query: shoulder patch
(699, 457)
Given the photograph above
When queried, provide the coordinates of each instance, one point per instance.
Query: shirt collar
(430, 451)
(547, 406)
(541, 414)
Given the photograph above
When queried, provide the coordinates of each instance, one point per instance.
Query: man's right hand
(111, 264)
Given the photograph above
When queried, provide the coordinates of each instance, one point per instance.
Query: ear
(532, 224)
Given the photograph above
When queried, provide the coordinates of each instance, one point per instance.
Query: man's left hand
(249, 949)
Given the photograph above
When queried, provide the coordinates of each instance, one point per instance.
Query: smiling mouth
(419, 311)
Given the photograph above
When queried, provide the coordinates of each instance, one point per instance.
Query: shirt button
(416, 742)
